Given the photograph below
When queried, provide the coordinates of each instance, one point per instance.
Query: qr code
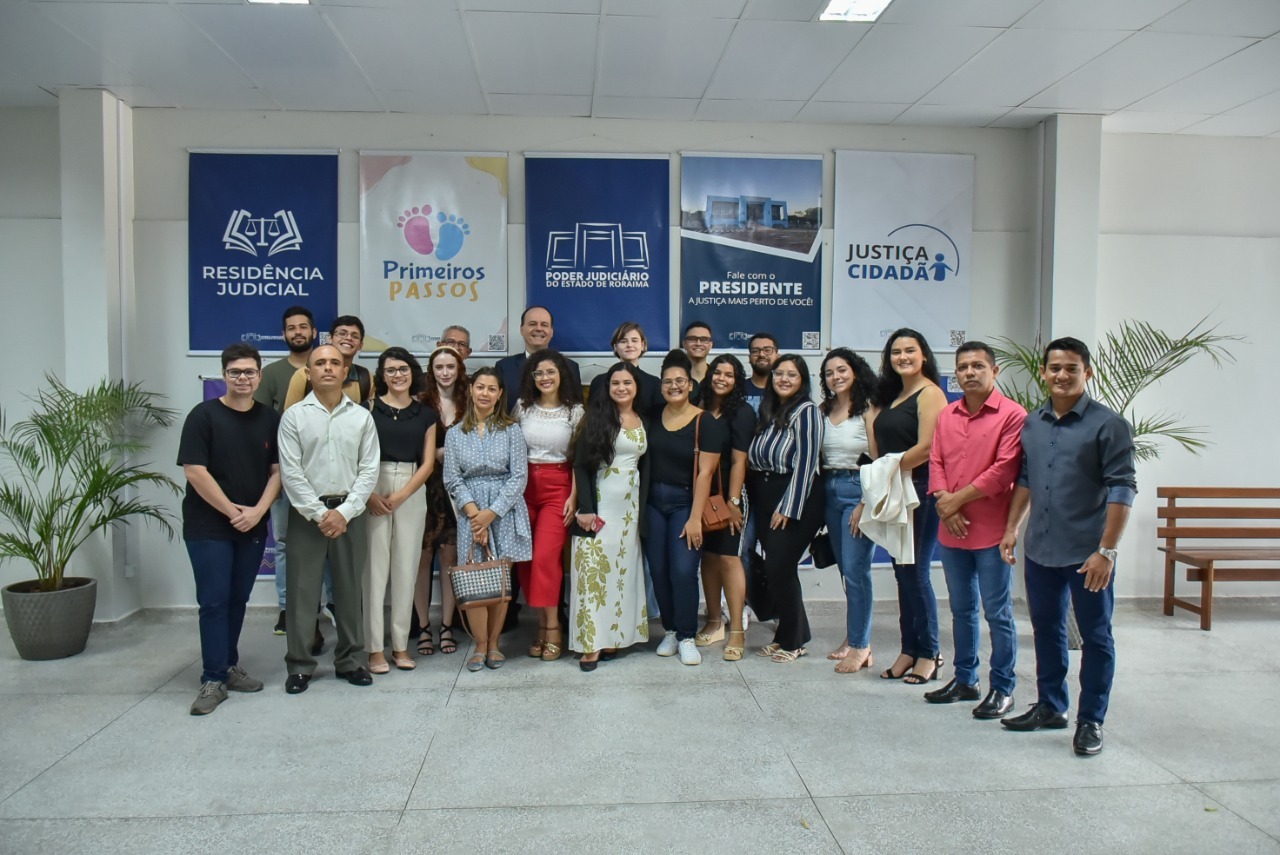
(497, 343)
(809, 341)
(957, 338)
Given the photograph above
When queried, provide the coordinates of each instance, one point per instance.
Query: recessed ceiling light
(279, 2)
(858, 11)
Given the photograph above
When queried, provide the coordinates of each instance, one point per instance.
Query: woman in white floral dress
(607, 599)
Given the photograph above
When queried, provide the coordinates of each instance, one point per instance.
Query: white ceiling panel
(534, 53)
(143, 96)
(573, 7)
(1098, 14)
(660, 57)
(831, 112)
(1234, 126)
(1140, 65)
(196, 97)
(154, 42)
(1236, 80)
(784, 10)
(1256, 18)
(748, 111)
(1019, 64)
(949, 116)
(271, 40)
(296, 92)
(672, 109)
(1028, 117)
(26, 96)
(675, 8)
(433, 101)
(35, 50)
(1267, 105)
(961, 13)
(752, 66)
(540, 105)
(900, 63)
(1133, 122)
(379, 39)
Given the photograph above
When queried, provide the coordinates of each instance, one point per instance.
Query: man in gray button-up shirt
(1078, 482)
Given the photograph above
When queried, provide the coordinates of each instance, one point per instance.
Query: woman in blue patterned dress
(485, 471)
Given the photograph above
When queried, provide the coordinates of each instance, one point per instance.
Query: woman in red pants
(549, 409)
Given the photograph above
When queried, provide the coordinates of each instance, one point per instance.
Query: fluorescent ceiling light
(858, 11)
(280, 2)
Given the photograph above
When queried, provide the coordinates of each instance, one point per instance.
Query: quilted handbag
(481, 583)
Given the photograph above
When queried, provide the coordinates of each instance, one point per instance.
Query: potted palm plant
(67, 471)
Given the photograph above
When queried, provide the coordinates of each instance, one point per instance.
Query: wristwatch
(1109, 554)
(736, 502)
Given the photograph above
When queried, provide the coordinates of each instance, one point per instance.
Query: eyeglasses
(762, 351)
(237, 373)
(675, 383)
(456, 344)
(786, 375)
(351, 334)
(397, 371)
(546, 374)
(698, 339)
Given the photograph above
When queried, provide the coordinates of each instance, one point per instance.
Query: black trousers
(782, 550)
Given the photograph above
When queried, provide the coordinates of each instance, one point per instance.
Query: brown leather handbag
(715, 510)
(481, 583)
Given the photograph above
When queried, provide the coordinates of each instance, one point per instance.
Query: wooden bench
(1214, 544)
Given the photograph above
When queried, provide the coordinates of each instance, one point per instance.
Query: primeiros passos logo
(440, 236)
(247, 233)
(915, 251)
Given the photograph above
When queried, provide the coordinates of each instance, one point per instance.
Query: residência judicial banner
(262, 235)
(597, 234)
(903, 231)
(750, 247)
(433, 249)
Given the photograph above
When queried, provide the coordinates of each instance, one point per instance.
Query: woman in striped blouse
(786, 488)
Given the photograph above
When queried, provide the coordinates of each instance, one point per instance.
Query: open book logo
(247, 233)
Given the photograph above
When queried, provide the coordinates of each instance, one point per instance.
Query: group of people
(710, 469)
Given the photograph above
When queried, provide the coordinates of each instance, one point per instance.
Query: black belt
(333, 501)
(853, 471)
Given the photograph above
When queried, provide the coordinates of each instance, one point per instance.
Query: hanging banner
(903, 231)
(596, 238)
(216, 387)
(750, 248)
(433, 249)
(262, 235)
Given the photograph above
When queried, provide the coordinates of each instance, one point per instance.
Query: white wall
(1190, 226)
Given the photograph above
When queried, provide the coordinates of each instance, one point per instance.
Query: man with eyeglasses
(697, 346)
(347, 335)
(537, 328)
(299, 337)
(459, 338)
(228, 454)
(762, 352)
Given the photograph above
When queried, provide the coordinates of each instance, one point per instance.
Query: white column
(1069, 235)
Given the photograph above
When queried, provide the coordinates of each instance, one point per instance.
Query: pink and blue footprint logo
(443, 239)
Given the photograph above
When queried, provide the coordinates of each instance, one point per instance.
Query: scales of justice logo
(247, 233)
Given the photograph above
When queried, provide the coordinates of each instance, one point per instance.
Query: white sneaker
(668, 645)
(689, 654)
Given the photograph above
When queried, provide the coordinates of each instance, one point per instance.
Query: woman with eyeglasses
(685, 450)
(910, 398)
(549, 410)
(611, 469)
(786, 490)
(722, 569)
(848, 387)
(445, 390)
(629, 344)
(398, 505)
(486, 469)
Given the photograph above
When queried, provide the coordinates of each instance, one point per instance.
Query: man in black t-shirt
(228, 453)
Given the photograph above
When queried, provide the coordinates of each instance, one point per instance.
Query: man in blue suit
(537, 329)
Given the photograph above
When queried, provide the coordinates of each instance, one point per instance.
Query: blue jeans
(225, 571)
(1048, 590)
(280, 531)
(673, 566)
(917, 604)
(980, 572)
(853, 554)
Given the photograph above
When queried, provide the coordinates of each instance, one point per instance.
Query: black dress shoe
(1035, 718)
(297, 683)
(356, 677)
(952, 692)
(1088, 739)
(995, 705)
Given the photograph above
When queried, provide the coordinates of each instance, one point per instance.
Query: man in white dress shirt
(329, 465)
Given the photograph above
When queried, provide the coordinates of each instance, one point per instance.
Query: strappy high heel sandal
(915, 679)
(733, 652)
(535, 649)
(551, 650)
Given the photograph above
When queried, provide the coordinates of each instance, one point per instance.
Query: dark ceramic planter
(50, 624)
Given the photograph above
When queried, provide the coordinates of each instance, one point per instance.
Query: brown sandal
(551, 650)
(535, 649)
(855, 661)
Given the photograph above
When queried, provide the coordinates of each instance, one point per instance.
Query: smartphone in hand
(597, 525)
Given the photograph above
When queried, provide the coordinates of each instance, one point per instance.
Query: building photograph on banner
(597, 244)
(262, 235)
(750, 247)
(433, 249)
(903, 231)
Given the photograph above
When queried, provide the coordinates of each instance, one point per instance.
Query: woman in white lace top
(549, 409)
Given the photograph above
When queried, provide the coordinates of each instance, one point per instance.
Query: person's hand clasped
(333, 524)
(1097, 572)
(585, 521)
(948, 504)
(246, 518)
(378, 505)
(957, 525)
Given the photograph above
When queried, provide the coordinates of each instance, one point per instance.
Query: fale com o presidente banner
(262, 235)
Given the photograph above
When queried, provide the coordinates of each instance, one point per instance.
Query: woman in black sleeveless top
(910, 398)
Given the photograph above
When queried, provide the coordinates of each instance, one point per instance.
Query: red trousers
(545, 494)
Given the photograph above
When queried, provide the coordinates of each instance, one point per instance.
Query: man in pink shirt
(973, 465)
